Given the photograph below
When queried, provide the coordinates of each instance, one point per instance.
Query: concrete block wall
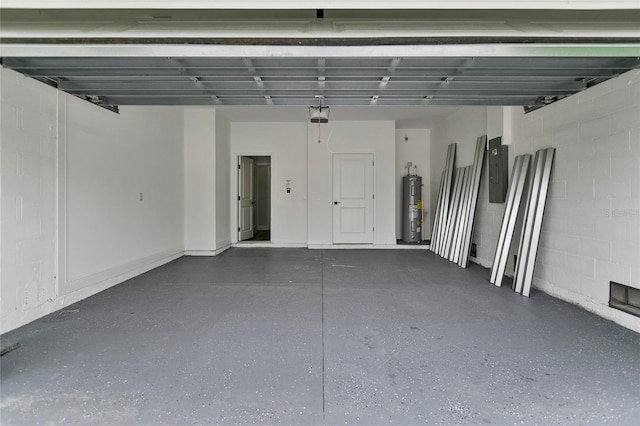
(591, 228)
(89, 198)
(28, 192)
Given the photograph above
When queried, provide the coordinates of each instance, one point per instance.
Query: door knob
(335, 203)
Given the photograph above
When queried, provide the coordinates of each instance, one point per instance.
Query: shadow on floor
(264, 235)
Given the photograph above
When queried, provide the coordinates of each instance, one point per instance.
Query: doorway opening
(254, 198)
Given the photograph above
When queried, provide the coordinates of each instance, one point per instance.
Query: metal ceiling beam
(352, 85)
(262, 64)
(407, 94)
(306, 101)
(505, 50)
(306, 74)
(321, 71)
(195, 81)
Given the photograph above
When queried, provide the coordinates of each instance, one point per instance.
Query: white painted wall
(28, 153)
(591, 229)
(414, 145)
(111, 159)
(377, 137)
(223, 185)
(462, 128)
(99, 162)
(286, 143)
(200, 180)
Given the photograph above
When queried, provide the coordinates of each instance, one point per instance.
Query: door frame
(240, 200)
(235, 192)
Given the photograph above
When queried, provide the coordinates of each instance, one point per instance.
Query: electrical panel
(498, 170)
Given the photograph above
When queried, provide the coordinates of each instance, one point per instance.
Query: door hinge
(238, 198)
(374, 196)
(238, 229)
(238, 166)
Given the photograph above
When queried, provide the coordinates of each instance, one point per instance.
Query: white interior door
(246, 199)
(353, 198)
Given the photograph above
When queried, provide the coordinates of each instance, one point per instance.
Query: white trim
(603, 310)
(321, 4)
(129, 270)
(263, 244)
(200, 253)
(206, 252)
(84, 292)
(568, 50)
(367, 247)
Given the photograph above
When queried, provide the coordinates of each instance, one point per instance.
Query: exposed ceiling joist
(384, 56)
(480, 80)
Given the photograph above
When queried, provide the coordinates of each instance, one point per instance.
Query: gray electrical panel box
(498, 170)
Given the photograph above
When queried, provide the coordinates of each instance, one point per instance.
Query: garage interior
(133, 290)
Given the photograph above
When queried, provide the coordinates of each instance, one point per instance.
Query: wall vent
(624, 298)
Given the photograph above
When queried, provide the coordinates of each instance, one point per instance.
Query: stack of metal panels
(472, 201)
(454, 256)
(536, 201)
(442, 206)
(456, 207)
(514, 197)
(454, 211)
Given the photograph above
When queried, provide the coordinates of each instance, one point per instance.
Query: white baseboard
(263, 244)
(603, 310)
(75, 284)
(206, 252)
(367, 247)
(199, 252)
(101, 282)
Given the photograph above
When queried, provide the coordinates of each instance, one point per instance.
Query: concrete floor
(295, 336)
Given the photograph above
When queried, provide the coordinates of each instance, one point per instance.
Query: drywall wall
(206, 182)
(108, 187)
(123, 189)
(351, 137)
(414, 145)
(200, 175)
(286, 143)
(462, 128)
(223, 184)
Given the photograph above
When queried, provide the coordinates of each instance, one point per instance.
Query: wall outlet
(140, 197)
